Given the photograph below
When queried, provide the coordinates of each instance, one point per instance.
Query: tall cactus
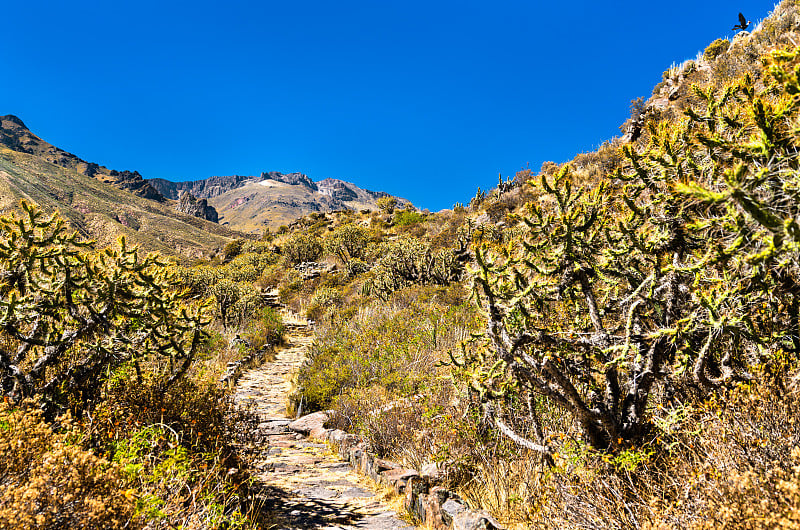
(69, 315)
(680, 270)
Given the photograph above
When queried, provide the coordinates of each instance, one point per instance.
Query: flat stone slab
(342, 467)
(318, 492)
(355, 492)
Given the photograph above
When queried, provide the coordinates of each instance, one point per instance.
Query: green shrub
(407, 218)
(716, 48)
(386, 204)
(300, 248)
(348, 242)
(74, 315)
(408, 261)
(233, 249)
(392, 346)
(266, 329)
(690, 256)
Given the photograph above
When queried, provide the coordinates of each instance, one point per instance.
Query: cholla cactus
(680, 270)
(70, 316)
(348, 242)
(409, 261)
(301, 247)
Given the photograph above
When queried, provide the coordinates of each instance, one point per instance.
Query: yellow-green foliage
(681, 270)
(248, 266)
(408, 217)
(324, 298)
(348, 242)
(377, 367)
(301, 247)
(70, 315)
(265, 329)
(407, 261)
(716, 48)
(235, 301)
(387, 204)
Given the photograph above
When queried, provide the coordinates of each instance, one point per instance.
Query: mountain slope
(104, 212)
(250, 203)
(17, 137)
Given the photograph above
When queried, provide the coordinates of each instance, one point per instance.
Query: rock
(432, 472)
(469, 520)
(191, 205)
(355, 492)
(336, 189)
(309, 422)
(318, 492)
(397, 478)
(384, 465)
(416, 487)
(451, 508)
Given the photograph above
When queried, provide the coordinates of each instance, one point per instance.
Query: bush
(348, 242)
(389, 345)
(235, 301)
(408, 217)
(46, 481)
(690, 255)
(300, 248)
(233, 249)
(265, 330)
(386, 204)
(715, 49)
(408, 261)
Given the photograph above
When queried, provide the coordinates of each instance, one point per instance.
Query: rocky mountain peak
(294, 179)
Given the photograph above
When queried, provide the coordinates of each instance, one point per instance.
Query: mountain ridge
(271, 199)
(15, 135)
(249, 203)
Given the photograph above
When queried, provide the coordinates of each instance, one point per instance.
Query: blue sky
(424, 99)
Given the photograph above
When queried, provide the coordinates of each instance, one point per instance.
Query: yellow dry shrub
(754, 501)
(48, 482)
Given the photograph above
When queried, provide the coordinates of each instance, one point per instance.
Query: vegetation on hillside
(113, 415)
(608, 343)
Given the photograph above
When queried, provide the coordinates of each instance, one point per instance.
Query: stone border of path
(234, 369)
(432, 504)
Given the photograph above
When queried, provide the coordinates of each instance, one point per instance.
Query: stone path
(306, 485)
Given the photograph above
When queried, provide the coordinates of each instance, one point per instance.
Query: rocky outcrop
(191, 205)
(337, 189)
(294, 179)
(204, 189)
(219, 185)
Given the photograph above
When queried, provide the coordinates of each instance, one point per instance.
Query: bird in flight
(743, 23)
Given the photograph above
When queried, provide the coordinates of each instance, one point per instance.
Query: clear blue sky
(424, 99)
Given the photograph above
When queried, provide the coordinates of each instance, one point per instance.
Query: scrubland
(607, 343)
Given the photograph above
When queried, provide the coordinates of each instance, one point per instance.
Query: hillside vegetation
(608, 343)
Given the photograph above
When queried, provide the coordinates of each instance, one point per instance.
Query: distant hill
(17, 137)
(250, 203)
(102, 204)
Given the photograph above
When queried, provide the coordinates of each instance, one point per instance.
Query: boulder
(309, 422)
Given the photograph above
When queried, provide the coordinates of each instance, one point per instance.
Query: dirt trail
(306, 485)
